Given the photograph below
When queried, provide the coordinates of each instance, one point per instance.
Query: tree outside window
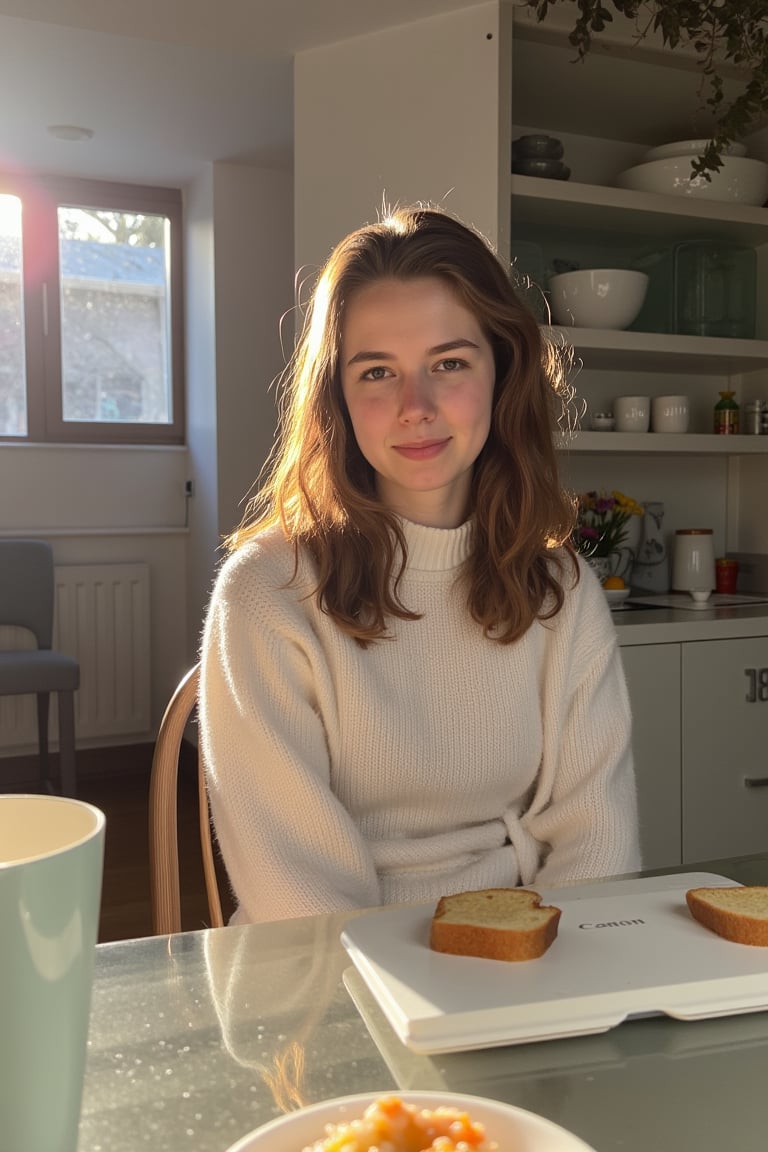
(97, 289)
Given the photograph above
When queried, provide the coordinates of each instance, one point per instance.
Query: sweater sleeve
(584, 810)
(290, 848)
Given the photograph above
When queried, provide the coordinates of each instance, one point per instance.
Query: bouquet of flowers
(601, 527)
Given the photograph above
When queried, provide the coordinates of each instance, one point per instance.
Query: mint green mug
(51, 863)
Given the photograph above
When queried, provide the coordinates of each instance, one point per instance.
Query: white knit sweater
(433, 762)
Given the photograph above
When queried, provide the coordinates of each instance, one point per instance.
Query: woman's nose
(416, 399)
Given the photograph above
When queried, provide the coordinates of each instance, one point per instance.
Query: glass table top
(198, 1038)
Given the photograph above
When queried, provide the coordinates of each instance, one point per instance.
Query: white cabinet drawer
(725, 748)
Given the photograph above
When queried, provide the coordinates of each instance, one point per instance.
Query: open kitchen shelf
(588, 210)
(589, 221)
(653, 443)
(596, 207)
(660, 352)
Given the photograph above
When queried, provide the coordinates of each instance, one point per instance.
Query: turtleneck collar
(436, 549)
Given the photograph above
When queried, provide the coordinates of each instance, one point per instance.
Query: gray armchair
(26, 601)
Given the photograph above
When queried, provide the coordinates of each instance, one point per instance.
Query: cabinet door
(725, 748)
(653, 679)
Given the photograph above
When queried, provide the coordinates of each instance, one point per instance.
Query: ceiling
(166, 85)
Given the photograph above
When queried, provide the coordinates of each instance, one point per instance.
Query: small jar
(753, 418)
(726, 573)
(726, 415)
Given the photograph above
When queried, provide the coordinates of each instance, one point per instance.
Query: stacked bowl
(539, 155)
(667, 170)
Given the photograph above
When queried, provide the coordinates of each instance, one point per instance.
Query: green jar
(726, 415)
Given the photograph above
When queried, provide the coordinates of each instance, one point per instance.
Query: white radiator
(101, 617)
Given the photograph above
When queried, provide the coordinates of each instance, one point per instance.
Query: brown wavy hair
(321, 490)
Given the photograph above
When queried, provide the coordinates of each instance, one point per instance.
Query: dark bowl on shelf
(548, 169)
(537, 147)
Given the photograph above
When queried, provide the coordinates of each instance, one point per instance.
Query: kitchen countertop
(676, 625)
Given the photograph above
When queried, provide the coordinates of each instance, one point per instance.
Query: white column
(421, 112)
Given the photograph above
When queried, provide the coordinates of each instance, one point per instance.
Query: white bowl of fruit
(411, 1121)
(616, 591)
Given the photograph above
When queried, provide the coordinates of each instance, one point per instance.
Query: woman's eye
(451, 365)
(379, 372)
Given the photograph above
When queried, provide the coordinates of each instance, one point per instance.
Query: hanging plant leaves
(717, 30)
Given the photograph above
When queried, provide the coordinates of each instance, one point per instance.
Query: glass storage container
(714, 289)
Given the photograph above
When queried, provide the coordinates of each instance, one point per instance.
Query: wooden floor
(116, 780)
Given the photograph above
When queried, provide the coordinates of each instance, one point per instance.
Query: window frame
(41, 198)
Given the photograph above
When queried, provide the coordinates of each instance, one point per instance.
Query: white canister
(693, 566)
(632, 413)
(670, 414)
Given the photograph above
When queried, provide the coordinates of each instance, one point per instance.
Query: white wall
(253, 229)
(65, 489)
(239, 282)
(412, 113)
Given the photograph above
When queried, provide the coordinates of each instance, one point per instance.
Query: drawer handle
(756, 781)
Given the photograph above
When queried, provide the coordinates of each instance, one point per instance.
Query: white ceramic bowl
(670, 413)
(597, 297)
(689, 148)
(740, 180)
(510, 1127)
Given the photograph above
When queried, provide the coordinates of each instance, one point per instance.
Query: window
(91, 342)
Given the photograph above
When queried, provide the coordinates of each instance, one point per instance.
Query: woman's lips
(422, 450)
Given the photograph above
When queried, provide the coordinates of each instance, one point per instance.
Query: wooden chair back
(163, 822)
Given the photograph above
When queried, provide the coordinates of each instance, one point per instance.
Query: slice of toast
(739, 914)
(494, 924)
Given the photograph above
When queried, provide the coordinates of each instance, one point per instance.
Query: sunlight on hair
(289, 325)
(303, 284)
(391, 221)
(562, 369)
(315, 339)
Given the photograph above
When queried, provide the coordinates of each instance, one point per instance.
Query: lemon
(613, 583)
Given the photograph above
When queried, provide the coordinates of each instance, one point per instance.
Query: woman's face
(418, 375)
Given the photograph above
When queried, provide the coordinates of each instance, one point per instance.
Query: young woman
(410, 684)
